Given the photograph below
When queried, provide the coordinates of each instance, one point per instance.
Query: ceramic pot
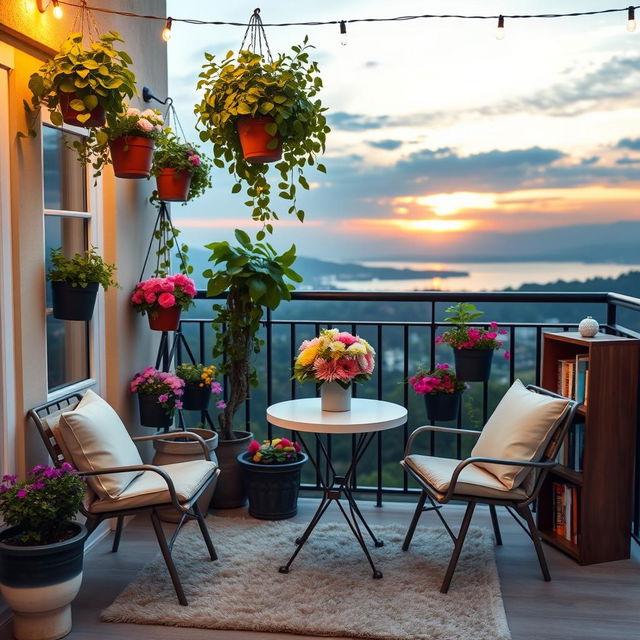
(73, 303)
(132, 156)
(473, 365)
(442, 406)
(196, 398)
(151, 412)
(255, 140)
(173, 186)
(40, 582)
(588, 327)
(230, 492)
(272, 488)
(333, 397)
(164, 319)
(69, 115)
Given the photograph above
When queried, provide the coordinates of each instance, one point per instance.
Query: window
(66, 225)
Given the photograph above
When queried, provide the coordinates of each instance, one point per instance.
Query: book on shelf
(571, 451)
(573, 378)
(565, 511)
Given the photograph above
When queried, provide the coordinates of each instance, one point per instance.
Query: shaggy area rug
(329, 591)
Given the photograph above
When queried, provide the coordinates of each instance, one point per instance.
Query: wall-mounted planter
(73, 303)
(473, 365)
(442, 406)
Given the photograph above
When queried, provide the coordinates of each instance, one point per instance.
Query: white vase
(588, 327)
(333, 397)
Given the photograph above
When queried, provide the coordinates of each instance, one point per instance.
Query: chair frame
(187, 510)
(519, 507)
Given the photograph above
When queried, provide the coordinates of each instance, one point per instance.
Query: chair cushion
(472, 481)
(96, 439)
(150, 488)
(519, 429)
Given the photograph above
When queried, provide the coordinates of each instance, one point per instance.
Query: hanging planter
(132, 157)
(75, 282)
(163, 299)
(442, 407)
(159, 395)
(473, 365)
(173, 185)
(199, 384)
(442, 388)
(69, 102)
(165, 319)
(258, 145)
(152, 414)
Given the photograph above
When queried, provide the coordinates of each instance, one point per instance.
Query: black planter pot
(272, 488)
(196, 398)
(473, 365)
(73, 303)
(442, 406)
(151, 412)
(230, 492)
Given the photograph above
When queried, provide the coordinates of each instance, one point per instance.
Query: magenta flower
(253, 447)
(163, 397)
(178, 404)
(221, 404)
(166, 300)
(22, 493)
(507, 355)
(216, 387)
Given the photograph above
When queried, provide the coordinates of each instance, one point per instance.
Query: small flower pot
(152, 414)
(272, 488)
(442, 407)
(333, 397)
(70, 115)
(173, 186)
(473, 365)
(196, 398)
(164, 319)
(39, 582)
(132, 156)
(73, 303)
(255, 140)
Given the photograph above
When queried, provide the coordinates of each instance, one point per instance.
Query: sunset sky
(444, 138)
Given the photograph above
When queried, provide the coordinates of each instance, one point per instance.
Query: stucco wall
(127, 216)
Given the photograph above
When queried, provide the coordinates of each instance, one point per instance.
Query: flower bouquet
(163, 299)
(159, 395)
(276, 451)
(199, 383)
(473, 347)
(441, 389)
(334, 360)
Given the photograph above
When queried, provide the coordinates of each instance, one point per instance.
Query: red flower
(253, 447)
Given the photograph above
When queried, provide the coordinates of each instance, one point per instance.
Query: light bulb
(57, 10)
(500, 29)
(166, 32)
(631, 20)
(343, 33)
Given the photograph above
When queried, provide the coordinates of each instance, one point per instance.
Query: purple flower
(22, 493)
(37, 469)
(163, 397)
(178, 404)
(8, 477)
(216, 387)
(221, 404)
(66, 467)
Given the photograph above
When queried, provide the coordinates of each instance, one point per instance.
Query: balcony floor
(590, 603)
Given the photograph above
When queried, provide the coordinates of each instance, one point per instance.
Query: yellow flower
(275, 442)
(307, 356)
(257, 457)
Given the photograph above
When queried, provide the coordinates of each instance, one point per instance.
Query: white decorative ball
(588, 327)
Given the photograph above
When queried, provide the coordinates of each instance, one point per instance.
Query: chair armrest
(512, 463)
(419, 430)
(139, 467)
(173, 435)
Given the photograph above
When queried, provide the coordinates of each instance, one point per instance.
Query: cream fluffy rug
(329, 591)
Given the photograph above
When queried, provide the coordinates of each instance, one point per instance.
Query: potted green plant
(81, 84)
(255, 277)
(163, 299)
(249, 101)
(159, 395)
(75, 282)
(41, 551)
(272, 477)
(182, 171)
(442, 391)
(473, 347)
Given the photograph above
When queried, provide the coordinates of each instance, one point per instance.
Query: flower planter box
(473, 365)
(73, 303)
(442, 407)
(152, 414)
(196, 398)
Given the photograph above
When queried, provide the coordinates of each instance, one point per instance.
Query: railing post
(612, 310)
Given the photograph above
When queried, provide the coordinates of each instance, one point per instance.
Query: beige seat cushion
(472, 480)
(519, 429)
(96, 439)
(150, 487)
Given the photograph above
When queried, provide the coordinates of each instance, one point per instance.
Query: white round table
(366, 418)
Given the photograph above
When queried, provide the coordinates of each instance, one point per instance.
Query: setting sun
(446, 204)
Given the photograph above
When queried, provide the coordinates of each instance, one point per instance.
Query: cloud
(356, 121)
(629, 143)
(626, 161)
(387, 145)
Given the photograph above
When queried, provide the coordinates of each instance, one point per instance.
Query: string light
(631, 20)
(57, 9)
(500, 29)
(166, 32)
(343, 33)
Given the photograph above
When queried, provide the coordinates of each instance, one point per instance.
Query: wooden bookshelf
(605, 484)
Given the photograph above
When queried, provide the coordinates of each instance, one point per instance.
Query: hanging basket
(165, 319)
(69, 115)
(132, 157)
(152, 414)
(255, 140)
(73, 303)
(473, 365)
(442, 407)
(196, 398)
(173, 185)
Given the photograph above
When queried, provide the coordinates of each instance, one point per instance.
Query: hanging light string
(317, 23)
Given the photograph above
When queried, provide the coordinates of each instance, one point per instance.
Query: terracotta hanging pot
(254, 140)
(165, 319)
(69, 115)
(173, 185)
(132, 156)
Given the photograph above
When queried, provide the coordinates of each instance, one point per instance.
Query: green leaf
(237, 187)
(91, 102)
(77, 105)
(56, 118)
(271, 128)
(244, 108)
(321, 168)
(243, 238)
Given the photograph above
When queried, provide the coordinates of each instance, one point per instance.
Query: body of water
(485, 276)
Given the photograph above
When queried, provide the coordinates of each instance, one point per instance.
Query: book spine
(568, 511)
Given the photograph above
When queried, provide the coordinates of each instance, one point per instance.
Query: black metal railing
(403, 327)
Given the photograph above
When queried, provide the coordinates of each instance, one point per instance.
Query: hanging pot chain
(257, 37)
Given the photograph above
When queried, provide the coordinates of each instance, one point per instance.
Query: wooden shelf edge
(566, 546)
(575, 477)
